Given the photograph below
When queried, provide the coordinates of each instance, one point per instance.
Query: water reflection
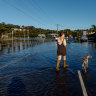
(8, 47)
(84, 43)
(93, 45)
(17, 45)
(16, 87)
(61, 85)
(38, 69)
(0, 49)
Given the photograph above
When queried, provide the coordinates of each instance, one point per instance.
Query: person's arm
(64, 42)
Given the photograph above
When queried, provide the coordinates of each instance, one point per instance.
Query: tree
(94, 28)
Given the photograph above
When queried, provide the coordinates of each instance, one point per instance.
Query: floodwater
(27, 68)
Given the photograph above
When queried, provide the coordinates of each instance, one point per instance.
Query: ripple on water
(35, 75)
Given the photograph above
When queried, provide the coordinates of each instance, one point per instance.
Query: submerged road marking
(82, 84)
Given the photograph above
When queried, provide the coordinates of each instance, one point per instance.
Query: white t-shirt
(60, 41)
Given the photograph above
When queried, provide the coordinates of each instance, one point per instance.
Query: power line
(57, 25)
(14, 7)
(32, 5)
(18, 9)
(35, 19)
(39, 9)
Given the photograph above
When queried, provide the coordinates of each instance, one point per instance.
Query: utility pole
(28, 33)
(12, 34)
(12, 38)
(23, 29)
(57, 25)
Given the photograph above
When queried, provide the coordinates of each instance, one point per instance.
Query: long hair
(61, 33)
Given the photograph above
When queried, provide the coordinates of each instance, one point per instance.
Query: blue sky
(72, 14)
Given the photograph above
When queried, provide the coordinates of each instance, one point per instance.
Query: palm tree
(94, 28)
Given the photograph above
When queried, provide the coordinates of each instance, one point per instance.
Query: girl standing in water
(61, 50)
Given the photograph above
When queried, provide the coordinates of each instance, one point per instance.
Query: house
(91, 33)
(84, 33)
(4, 36)
(42, 35)
(19, 29)
(52, 35)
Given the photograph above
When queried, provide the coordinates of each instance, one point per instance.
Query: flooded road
(27, 68)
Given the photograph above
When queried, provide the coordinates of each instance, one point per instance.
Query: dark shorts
(61, 50)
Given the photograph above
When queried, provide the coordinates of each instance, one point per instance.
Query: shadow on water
(61, 88)
(16, 87)
(65, 85)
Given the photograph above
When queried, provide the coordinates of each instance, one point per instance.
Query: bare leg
(64, 62)
(64, 57)
(59, 57)
(58, 62)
